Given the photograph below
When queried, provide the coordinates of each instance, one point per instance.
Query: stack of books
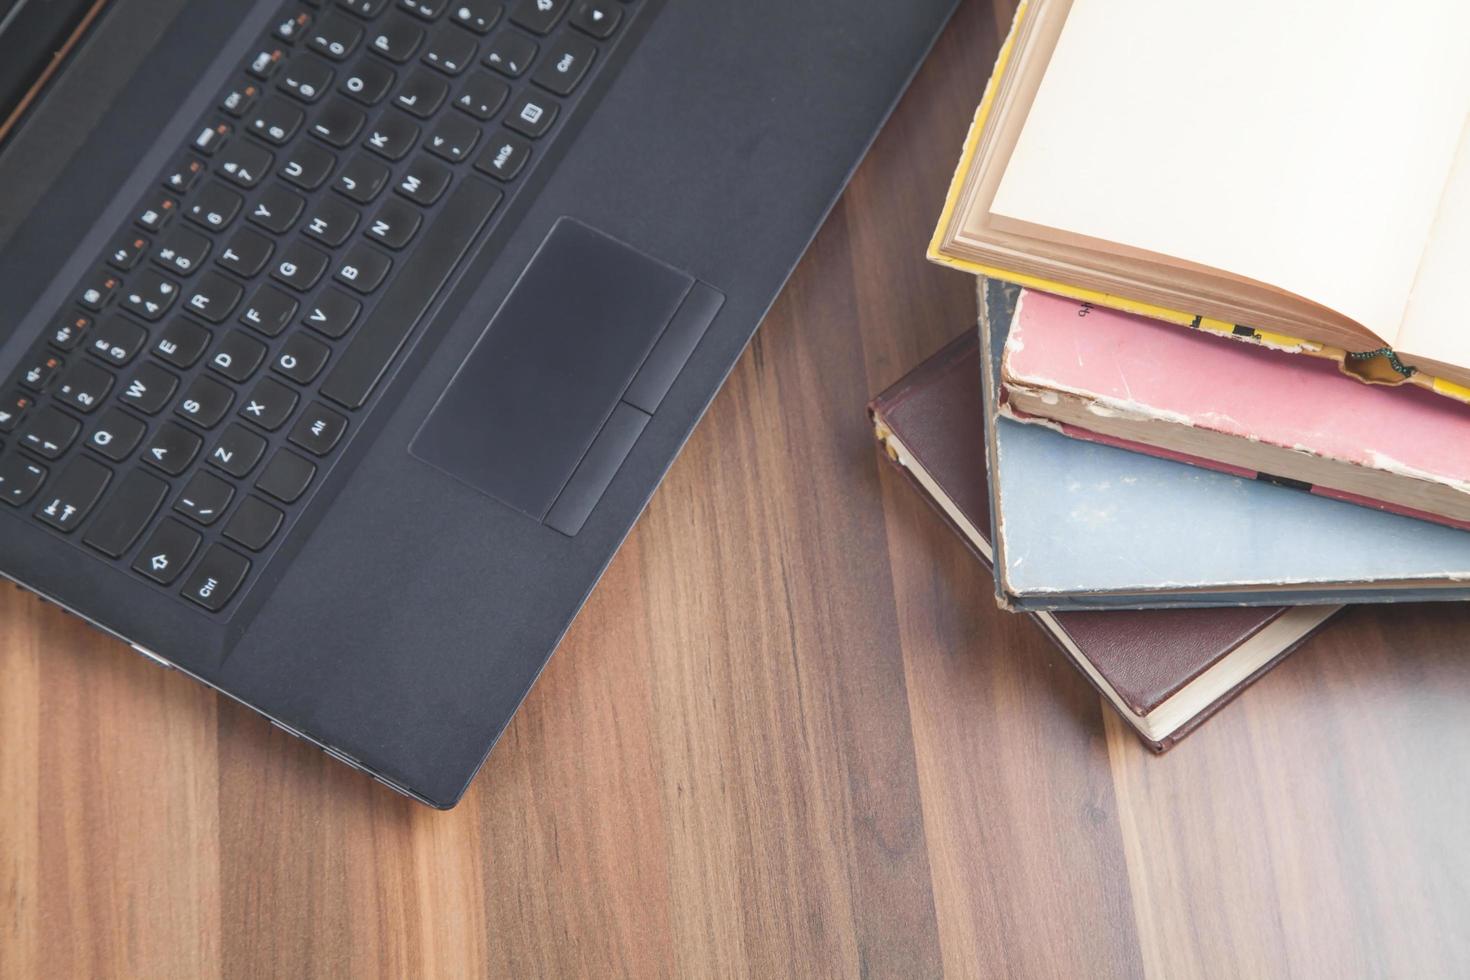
(1221, 384)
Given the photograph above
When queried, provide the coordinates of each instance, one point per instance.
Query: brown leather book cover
(1164, 670)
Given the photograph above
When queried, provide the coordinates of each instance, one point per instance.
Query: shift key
(127, 512)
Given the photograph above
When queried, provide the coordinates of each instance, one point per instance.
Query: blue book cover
(1081, 525)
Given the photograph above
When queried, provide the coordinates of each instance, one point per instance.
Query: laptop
(345, 340)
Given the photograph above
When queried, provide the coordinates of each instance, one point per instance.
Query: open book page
(1435, 325)
(1304, 145)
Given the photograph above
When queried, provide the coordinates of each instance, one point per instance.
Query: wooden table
(790, 735)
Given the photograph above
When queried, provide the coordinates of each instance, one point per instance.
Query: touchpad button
(545, 376)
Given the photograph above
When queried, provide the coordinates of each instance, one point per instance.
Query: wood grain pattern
(791, 735)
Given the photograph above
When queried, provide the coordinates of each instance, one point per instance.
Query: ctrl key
(217, 578)
(19, 480)
(166, 552)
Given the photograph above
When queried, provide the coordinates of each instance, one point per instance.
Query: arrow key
(74, 493)
(167, 551)
(172, 448)
(204, 498)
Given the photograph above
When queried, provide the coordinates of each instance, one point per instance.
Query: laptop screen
(35, 38)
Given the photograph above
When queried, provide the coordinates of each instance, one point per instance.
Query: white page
(1434, 324)
(1302, 143)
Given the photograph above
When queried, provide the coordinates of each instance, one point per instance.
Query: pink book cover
(1126, 380)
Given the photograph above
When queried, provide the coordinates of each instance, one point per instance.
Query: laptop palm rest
(555, 393)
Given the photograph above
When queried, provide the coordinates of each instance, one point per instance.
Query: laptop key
(276, 120)
(237, 356)
(50, 432)
(339, 122)
(254, 523)
(286, 476)
(219, 576)
(451, 50)
(246, 164)
(299, 265)
(393, 135)
(335, 36)
(598, 18)
(363, 268)
(269, 310)
(427, 9)
(318, 430)
(364, 8)
(13, 408)
(126, 251)
(149, 389)
(424, 181)
(539, 16)
(395, 224)
(172, 448)
(478, 15)
(277, 209)
(333, 313)
(68, 330)
(510, 54)
(483, 96)
(306, 78)
(167, 551)
(269, 405)
(565, 65)
(531, 115)
(301, 358)
(453, 139)
(331, 221)
(505, 157)
(215, 206)
(397, 38)
(238, 450)
(117, 340)
(204, 498)
(214, 297)
(181, 251)
(181, 343)
(38, 374)
(205, 403)
(73, 494)
(84, 386)
(422, 94)
(20, 480)
(362, 179)
(246, 254)
(150, 295)
(117, 434)
(308, 166)
(125, 515)
(368, 82)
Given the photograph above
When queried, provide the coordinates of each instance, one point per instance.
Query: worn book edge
(1372, 367)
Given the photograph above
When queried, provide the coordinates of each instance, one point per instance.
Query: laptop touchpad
(568, 372)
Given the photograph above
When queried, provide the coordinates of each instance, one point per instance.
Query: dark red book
(1164, 670)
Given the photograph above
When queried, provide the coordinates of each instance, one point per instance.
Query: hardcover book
(1164, 671)
(1302, 169)
(1122, 379)
(1079, 524)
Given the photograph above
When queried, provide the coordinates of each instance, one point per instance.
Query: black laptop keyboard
(179, 411)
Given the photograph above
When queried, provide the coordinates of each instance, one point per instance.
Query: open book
(1302, 169)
